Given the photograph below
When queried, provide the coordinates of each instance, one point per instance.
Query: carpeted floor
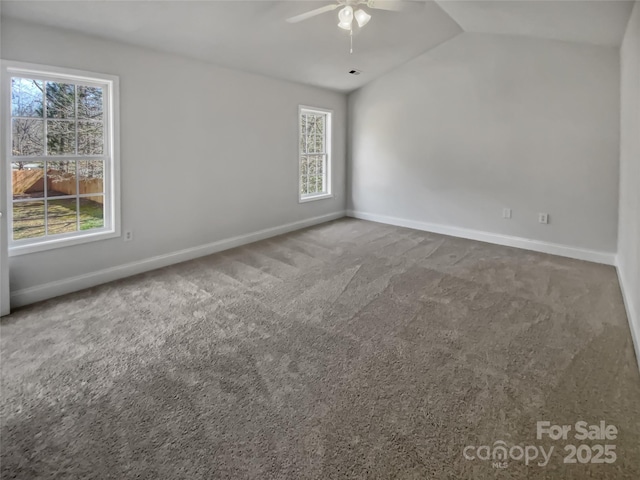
(347, 350)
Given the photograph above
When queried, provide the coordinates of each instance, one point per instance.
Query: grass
(28, 217)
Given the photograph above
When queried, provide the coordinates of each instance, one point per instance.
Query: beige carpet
(347, 350)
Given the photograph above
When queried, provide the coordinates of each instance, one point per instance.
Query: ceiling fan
(351, 10)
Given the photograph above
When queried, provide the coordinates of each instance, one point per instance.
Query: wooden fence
(32, 181)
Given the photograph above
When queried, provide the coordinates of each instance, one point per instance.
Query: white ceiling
(253, 35)
(584, 21)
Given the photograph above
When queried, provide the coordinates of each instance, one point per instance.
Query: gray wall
(206, 153)
(484, 122)
(629, 224)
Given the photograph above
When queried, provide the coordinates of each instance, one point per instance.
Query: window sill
(315, 197)
(17, 249)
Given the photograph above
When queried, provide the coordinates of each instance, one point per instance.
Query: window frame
(111, 155)
(328, 152)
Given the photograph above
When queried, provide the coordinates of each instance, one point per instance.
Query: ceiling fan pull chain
(351, 40)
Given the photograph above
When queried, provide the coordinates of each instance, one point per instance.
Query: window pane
(26, 97)
(62, 216)
(303, 185)
(303, 142)
(61, 137)
(61, 178)
(91, 212)
(61, 100)
(27, 137)
(91, 176)
(27, 179)
(304, 163)
(90, 138)
(320, 165)
(312, 184)
(312, 165)
(90, 102)
(28, 220)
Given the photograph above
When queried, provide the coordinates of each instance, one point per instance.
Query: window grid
(73, 158)
(314, 129)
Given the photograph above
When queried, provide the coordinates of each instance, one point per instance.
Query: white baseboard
(45, 291)
(499, 239)
(632, 315)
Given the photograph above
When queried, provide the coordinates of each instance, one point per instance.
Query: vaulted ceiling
(583, 21)
(253, 35)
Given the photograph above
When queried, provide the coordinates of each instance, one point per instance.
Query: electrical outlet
(543, 217)
(506, 213)
(128, 236)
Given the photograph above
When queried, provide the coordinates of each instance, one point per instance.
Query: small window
(61, 158)
(315, 154)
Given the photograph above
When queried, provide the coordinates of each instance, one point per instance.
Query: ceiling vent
(355, 72)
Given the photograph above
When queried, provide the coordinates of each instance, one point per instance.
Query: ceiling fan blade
(394, 5)
(312, 13)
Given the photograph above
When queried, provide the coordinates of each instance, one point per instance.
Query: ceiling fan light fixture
(362, 17)
(346, 15)
(345, 25)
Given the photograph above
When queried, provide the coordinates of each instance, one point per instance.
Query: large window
(315, 154)
(61, 158)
